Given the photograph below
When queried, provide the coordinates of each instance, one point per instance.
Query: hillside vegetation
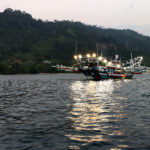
(25, 43)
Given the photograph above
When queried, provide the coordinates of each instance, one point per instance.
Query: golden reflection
(74, 147)
(124, 146)
(115, 149)
(87, 139)
(90, 112)
(94, 110)
(92, 89)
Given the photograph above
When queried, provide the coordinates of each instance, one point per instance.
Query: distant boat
(134, 65)
(63, 68)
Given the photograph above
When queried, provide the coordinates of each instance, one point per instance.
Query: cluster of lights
(87, 55)
(100, 58)
(93, 55)
(77, 56)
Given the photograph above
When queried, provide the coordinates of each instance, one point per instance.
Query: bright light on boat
(100, 58)
(94, 55)
(88, 56)
(75, 57)
(79, 56)
(118, 66)
(109, 63)
(105, 61)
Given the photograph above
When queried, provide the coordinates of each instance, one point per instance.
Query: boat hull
(98, 75)
(120, 76)
(136, 72)
(95, 74)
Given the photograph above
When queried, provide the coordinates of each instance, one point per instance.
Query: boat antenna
(101, 54)
(131, 62)
(97, 49)
(97, 52)
(76, 46)
(115, 52)
(101, 50)
(131, 56)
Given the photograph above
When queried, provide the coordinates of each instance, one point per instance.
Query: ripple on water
(64, 111)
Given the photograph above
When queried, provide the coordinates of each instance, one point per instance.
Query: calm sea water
(67, 112)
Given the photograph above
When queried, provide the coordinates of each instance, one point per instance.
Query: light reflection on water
(93, 110)
(87, 89)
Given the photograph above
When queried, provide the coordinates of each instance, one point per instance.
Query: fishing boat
(116, 71)
(91, 68)
(134, 65)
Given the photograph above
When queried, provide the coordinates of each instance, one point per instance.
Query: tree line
(25, 42)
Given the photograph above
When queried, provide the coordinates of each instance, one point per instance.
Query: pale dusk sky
(133, 14)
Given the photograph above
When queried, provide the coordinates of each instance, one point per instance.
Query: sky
(120, 14)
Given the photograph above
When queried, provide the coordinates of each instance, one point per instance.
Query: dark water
(66, 112)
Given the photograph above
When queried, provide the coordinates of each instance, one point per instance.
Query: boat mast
(116, 58)
(131, 62)
(97, 53)
(76, 46)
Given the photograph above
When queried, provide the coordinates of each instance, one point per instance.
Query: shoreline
(41, 73)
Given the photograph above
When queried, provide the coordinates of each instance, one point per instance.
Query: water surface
(67, 112)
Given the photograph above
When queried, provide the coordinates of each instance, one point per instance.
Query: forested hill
(26, 42)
